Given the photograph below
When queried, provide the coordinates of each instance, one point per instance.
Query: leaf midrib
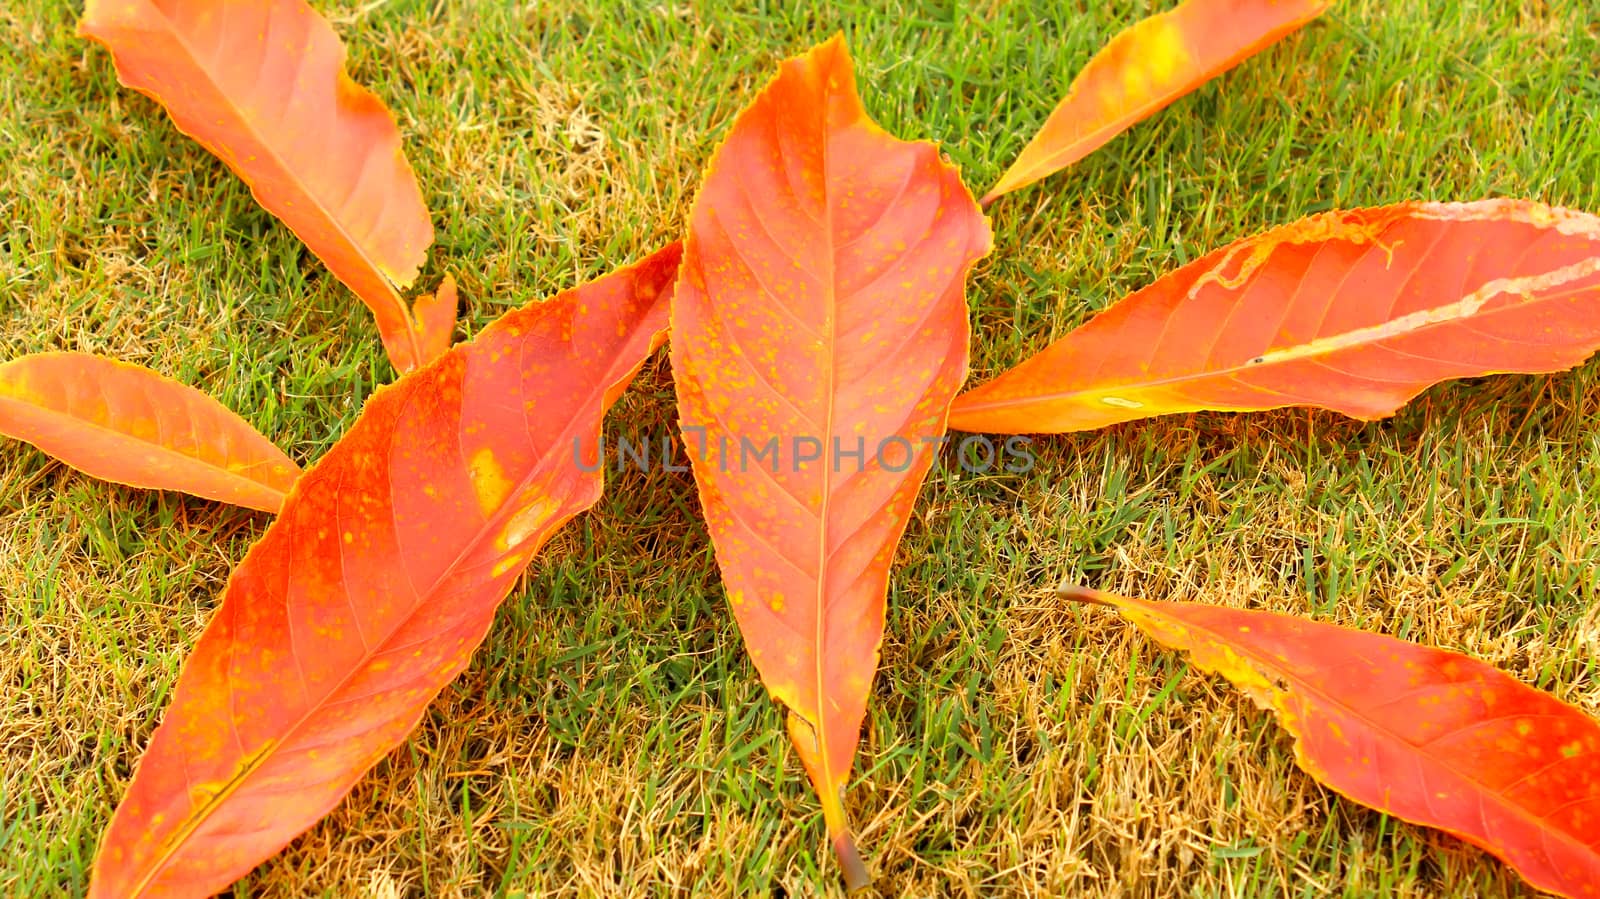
(829, 335)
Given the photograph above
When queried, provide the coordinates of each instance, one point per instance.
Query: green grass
(611, 737)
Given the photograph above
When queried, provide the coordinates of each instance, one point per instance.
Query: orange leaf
(124, 423)
(1352, 311)
(1434, 737)
(1145, 68)
(370, 591)
(261, 83)
(819, 312)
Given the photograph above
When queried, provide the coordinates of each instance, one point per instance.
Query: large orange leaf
(1434, 737)
(372, 588)
(261, 83)
(124, 423)
(820, 310)
(1352, 311)
(1145, 68)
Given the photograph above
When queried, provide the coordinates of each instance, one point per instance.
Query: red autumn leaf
(370, 591)
(1352, 311)
(819, 311)
(124, 423)
(261, 83)
(1144, 69)
(1434, 737)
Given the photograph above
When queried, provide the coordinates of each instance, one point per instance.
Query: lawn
(611, 738)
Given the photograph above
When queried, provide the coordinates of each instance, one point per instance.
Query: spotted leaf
(1145, 68)
(128, 424)
(819, 333)
(374, 585)
(1352, 311)
(261, 83)
(1434, 737)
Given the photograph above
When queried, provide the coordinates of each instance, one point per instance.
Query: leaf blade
(1490, 744)
(372, 588)
(822, 290)
(1354, 311)
(262, 85)
(127, 424)
(1145, 68)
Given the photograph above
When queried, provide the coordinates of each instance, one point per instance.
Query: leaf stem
(855, 872)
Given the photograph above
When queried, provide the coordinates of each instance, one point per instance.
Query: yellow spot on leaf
(1162, 55)
(488, 480)
(527, 521)
(505, 565)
